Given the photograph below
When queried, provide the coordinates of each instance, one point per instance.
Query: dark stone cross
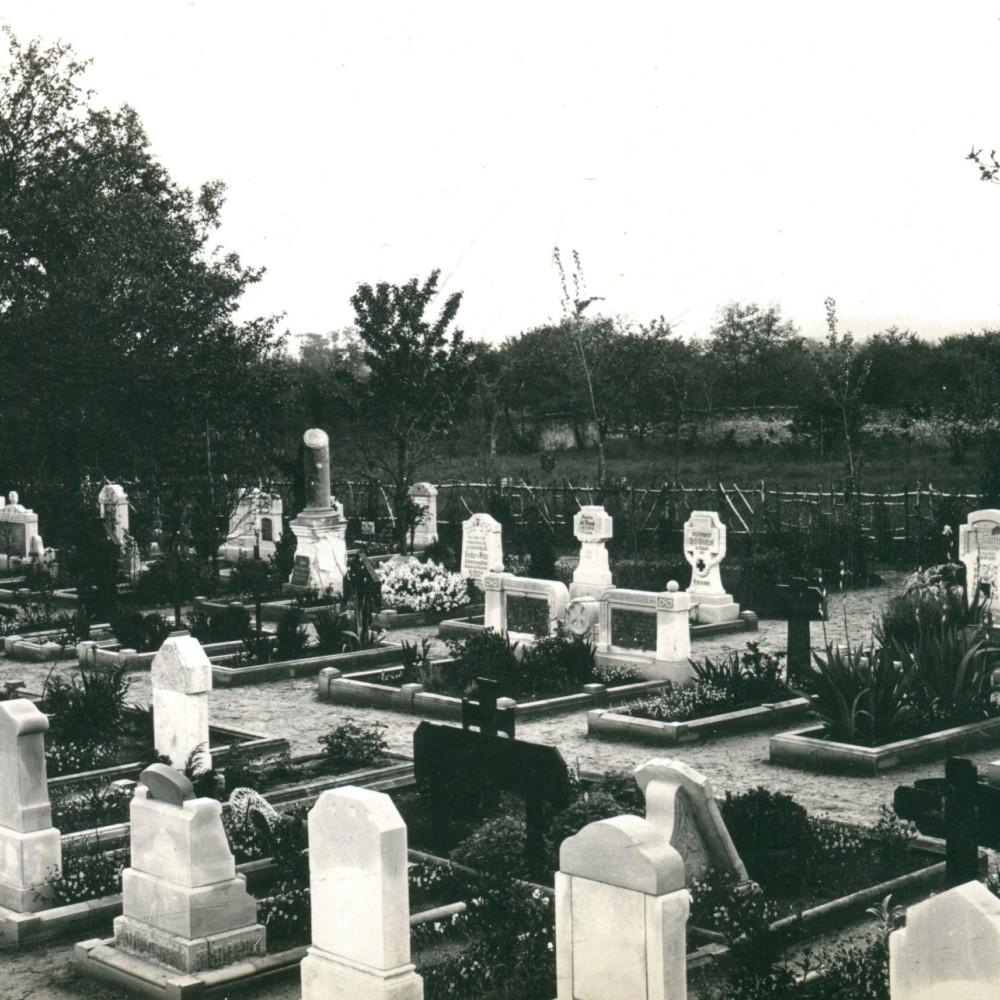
(959, 808)
(463, 766)
(801, 604)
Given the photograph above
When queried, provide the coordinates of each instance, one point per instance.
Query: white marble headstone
(482, 548)
(181, 677)
(979, 550)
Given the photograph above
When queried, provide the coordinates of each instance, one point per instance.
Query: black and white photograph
(499, 503)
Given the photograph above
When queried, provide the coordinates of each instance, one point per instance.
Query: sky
(692, 154)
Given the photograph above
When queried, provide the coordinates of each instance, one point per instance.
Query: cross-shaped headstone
(466, 763)
(959, 808)
(484, 712)
(801, 604)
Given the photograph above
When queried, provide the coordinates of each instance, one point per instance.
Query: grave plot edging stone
(390, 619)
(605, 724)
(803, 749)
(387, 653)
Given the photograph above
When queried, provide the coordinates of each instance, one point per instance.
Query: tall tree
(116, 312)
(418, 371)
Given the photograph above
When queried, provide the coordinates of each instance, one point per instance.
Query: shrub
(484, 654)
(559, 663)
(287, 914)
(145, 634)
(767, 829)
(291, 635)
(228, 623)
(87, 710)
(416, 586)
(353, 745)
(748, 676)
(496, 848)
(417, 666)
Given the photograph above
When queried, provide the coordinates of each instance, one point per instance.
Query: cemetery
(347, 661)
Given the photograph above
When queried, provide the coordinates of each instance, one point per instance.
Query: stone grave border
(803, 749)
(360, 690)
(605, 724)
(36, 647)
(391, 619)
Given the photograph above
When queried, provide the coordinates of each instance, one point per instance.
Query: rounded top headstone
(167, 784)
(315, 437)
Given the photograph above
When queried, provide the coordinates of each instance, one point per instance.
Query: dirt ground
(734, 763)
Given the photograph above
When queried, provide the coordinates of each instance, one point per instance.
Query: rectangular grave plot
(633, 629)
(528, 614)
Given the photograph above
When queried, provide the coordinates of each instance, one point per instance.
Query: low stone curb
(390, 619)
(412, 699)
(803, 749)
(387, 653)
(612, 725)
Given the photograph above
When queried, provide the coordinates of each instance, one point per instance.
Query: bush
(484, 654)
(98, 805)
(229, 623)
(354, 745)
(291, 635)
(89, 710)
(87, 873)
(145, 634)
(559, 663)
(496, 848)
(427, 586)
(768, 829)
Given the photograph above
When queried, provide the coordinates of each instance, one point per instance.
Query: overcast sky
(693, 154)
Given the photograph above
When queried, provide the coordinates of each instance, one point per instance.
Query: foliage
(94, 805)
(421, 586)
(749, 675)
(87, 872)
(863, 696)
(354, 744)
(143, 633)
(484, 654)
(416, 374)
(417, 665)
(287, 914)
(767, 829)
(560, 662)
(495, 848)
(228, 624)
(681, 702)
(291, 635)
(87, 710)
(931, 601)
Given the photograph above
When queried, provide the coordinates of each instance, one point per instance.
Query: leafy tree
(418, 372)
(115, 310)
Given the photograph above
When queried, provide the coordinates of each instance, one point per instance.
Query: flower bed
(390, 618)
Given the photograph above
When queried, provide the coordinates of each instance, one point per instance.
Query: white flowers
(413, 586)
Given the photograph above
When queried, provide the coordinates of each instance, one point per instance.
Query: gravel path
(734, 763)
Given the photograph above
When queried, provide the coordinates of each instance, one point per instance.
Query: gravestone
(469, 765)
(622, 905)
(482, 548)
(704, 549)
(425, 531)
(320, 529)
(254, 525)
(360, 900)
(18, 526)
(181, 678)
(592, 526)
(950, 947)
(800, 604)
(499, 587)
(959, 808)
(113, 504)
(183, 905)
(29, 845)
(979, 550)
(680, 802)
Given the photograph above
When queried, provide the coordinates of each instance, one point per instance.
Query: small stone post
(495, 607)
(673, 625)
(950, 947)
(425, 532)
(360, 900)
(181, 677)
(29, 844)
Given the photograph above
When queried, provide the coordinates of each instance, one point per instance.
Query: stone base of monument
(28, 858)
(713, 609)
(100, 959)
(320, 552)
(327, 975)
(652, 669)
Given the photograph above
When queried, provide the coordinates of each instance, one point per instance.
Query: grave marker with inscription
(704, 549)
(592, 526)
(482, 548)
(979, 550)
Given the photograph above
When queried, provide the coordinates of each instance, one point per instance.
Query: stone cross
(482, 548)
(470, 765)
(183, 905)
(360, 900)
(802, 604)
(181, 677)
(30, 847)
(592, 526)
(485, 714)
(959, 808)
(704, 550)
